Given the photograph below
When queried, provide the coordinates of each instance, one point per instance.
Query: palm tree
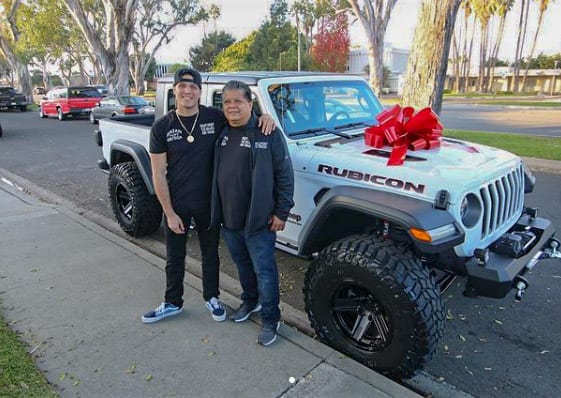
(483, 11)
(467, 45)
(543, 7)
(502, 9)
(523, 23)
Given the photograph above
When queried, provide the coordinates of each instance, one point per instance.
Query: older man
(252, 191)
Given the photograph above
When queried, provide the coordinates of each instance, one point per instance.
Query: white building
(395, 59)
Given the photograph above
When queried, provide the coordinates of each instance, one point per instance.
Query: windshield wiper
(313, 131)
(354, 124)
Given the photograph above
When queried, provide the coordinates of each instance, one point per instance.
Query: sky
(241, 17)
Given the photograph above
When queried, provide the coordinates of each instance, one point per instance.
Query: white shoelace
(160, 309)
(214, 303)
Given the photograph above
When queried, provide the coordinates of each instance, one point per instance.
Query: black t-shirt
(189, 165)
(234, 177)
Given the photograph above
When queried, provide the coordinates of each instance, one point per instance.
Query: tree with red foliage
(330, 50)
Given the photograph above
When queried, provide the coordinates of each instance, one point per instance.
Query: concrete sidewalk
(75, 292)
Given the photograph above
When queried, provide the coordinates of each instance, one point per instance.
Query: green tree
(10, 35)
(108, 37)
(51, 37)
(236, 57)
(275, 46)
(155, 22)
(202, 56)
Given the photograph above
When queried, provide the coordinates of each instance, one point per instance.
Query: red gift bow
(403, 130)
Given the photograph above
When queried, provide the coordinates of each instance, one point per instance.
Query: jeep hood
(457, 166)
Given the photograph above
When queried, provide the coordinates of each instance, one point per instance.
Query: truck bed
(134, 128)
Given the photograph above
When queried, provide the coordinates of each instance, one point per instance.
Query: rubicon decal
(372, 178)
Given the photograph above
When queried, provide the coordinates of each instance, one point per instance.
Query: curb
(546, 165)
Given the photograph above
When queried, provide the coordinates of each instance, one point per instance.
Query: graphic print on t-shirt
(207, 128)
(174, 135)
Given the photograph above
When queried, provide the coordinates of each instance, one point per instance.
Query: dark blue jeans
(176, 251)
(254, 256)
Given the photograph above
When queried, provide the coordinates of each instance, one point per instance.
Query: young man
(252, 191)
(181, 152)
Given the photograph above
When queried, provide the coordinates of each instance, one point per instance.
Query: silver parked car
(118, 105)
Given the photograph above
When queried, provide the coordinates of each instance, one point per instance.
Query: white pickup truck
(384, 241)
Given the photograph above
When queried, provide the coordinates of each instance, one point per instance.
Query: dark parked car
(10, 99)
(118, 105)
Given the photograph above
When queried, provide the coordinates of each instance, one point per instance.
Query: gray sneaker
(268, 334)
(245, 310)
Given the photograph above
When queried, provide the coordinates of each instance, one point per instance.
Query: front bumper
(499, 274)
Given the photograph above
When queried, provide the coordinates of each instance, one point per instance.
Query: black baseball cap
(187, 75)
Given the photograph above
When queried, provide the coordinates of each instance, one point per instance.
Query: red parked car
(74, 100)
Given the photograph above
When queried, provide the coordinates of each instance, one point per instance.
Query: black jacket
(272, 178)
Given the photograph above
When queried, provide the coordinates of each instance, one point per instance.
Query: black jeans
(176, 251)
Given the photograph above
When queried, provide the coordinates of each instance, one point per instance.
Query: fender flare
(140, 156)
(402, 210)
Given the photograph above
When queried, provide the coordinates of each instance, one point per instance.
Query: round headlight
(470, 210)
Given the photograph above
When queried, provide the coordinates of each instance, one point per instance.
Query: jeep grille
(503, 199)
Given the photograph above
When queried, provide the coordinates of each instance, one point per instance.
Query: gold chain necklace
(190, 138)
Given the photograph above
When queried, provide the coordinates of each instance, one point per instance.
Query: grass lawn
(522, 145)
(19, 378)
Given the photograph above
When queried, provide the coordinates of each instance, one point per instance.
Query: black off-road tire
(137, 212)
(375, 302)
(42, 114)
(61, 116)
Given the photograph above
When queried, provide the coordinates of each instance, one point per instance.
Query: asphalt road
(492, 348)
(507, 119)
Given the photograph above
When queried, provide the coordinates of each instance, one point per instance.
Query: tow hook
(551, 251)
(521, 285)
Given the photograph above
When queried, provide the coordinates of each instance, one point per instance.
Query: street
(491, 348)
(505, 119)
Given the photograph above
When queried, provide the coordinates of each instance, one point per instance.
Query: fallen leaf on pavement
(132, 369)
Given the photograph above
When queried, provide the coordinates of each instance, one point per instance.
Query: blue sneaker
(245, 310)
(216, 309)
(268, 334)
(163, 311)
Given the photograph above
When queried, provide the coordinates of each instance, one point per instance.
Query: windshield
(324, 107)
(85, 92)
(7, 90)
(134, 101)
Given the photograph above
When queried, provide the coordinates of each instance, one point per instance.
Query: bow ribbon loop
(404, 129)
